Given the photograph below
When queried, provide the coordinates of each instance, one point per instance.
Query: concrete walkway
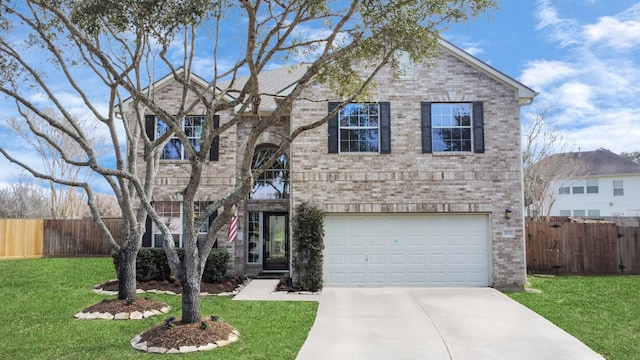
(263, 289)
(434, 324)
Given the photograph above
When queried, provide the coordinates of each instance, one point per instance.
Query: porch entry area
(268, 240)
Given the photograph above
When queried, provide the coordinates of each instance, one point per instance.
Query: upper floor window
(452, 127)
(592, 186)
(273, 183)
(578, 189)
(618, 188)
(360, 128)
(192, 126)
(174, 150)
(564, 190)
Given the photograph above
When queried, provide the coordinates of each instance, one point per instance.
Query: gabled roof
(272, 83)
(524, 93)
(602, 162)
(280, 81)
(167, 79)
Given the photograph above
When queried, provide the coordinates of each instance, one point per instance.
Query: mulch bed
(177, 335)
(115, 306)
(226, 286)
(194, 334)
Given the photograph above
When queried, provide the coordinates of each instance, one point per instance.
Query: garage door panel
(377, 259)
(357, 241)
(417, 250)
(357, 277)
(417, 259)
(397, 259)
(357, 259)
(336, 260)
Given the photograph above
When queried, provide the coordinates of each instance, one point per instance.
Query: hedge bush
(152, 264)
(308, 238)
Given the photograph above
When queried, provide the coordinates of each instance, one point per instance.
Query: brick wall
(405, 180)
(408, 180)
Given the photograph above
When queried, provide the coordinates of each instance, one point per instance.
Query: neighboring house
(421, 186)
(610, 186)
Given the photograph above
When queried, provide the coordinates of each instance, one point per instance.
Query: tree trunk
(127, 273)
(191, 300)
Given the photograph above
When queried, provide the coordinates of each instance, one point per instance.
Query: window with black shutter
(452, 127)
(192, 126)
(360, 127)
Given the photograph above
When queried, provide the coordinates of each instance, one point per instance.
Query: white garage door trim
(406, 250)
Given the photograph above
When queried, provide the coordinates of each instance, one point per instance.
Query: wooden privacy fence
(22, 238)
(582, 248)
(78, 237)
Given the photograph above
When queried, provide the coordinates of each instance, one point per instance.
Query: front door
(276, 241)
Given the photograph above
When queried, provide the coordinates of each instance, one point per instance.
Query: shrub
(152, 264)
(308, 237)
(216, 266)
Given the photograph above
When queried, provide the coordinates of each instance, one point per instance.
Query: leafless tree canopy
(543, 165)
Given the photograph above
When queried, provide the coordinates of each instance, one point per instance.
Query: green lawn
(601, 311)
(39, 297)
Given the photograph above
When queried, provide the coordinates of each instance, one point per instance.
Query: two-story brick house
(421, 186)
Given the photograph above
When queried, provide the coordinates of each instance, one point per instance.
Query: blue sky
(582, 56)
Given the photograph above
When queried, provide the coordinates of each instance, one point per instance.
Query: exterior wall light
(508, 214)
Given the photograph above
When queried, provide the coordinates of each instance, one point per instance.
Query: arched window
(273, 183)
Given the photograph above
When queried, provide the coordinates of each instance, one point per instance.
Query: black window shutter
(478, 127)
(215, 144)
(333, 130)
(425, 125)
(148, 232)
(150, 126)
(385, 128)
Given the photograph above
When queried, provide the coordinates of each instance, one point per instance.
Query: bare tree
(119, 44)
(24, 200)
(544, 163)
(107, 205)
(66, 202)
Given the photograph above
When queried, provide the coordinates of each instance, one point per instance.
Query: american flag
(233, 227)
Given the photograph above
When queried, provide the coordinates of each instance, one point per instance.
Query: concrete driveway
(433, 323)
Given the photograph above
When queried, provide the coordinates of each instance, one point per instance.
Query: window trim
(286, 171)
(357, 128)
(477, 128)
(620, 187)
(590, 187)
(151, 122)
(384, 132)
(148, 239)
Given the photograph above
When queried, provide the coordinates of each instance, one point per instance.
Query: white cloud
(561, 30)
(540, 73)
(591, 81)
(619, 33)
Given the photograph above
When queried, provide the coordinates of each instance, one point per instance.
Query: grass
(601, 311)
(39, 297)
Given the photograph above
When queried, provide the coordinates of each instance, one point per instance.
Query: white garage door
(406, 250)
